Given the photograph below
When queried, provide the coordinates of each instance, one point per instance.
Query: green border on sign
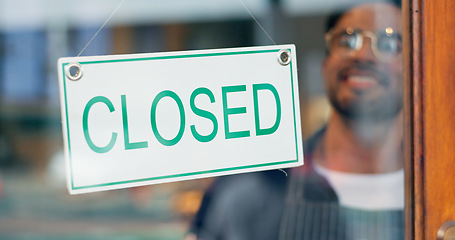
(182, 174)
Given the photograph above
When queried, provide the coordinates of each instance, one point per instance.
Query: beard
(364, 118)
(366, 106)
(380, 110)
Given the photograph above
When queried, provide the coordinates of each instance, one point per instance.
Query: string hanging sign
(139, 119)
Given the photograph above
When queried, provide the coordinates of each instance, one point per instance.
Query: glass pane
(352, 183)
(349, 67)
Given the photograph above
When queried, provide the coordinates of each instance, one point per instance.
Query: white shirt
(383, 191)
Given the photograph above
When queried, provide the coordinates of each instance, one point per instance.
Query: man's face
(365, 84)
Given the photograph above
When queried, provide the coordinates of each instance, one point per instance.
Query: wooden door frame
(412, 91)
(429, 114)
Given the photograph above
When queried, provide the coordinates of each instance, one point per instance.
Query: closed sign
(133, 120)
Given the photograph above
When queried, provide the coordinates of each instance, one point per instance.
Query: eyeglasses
(384, 44)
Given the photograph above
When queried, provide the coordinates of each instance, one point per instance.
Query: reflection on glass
(352, 183)
(351, 186)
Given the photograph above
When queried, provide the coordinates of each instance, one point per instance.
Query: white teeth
(361, 79)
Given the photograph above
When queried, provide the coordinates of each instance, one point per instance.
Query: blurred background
(34, 201)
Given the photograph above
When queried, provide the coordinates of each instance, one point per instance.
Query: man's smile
(360, 82)
(362, 78)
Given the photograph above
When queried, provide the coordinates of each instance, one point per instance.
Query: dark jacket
(269, 205)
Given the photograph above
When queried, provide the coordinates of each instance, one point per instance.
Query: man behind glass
(352, 183)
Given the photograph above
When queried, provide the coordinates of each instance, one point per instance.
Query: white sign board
(132, 120)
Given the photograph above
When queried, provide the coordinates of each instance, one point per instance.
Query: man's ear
(323, 64)
(324, 72)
